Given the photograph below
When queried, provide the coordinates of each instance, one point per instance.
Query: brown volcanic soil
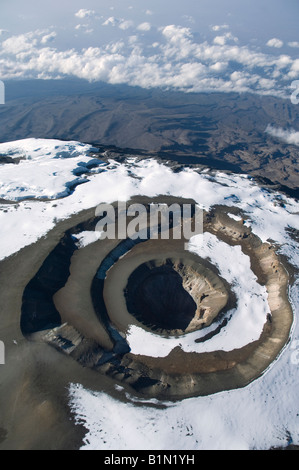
(170, 377)
(205, 372)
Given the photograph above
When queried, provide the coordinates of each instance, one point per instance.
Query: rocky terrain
(222, 131)
(158, 306)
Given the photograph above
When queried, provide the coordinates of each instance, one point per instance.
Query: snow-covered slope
(44, 188)
(40, 173)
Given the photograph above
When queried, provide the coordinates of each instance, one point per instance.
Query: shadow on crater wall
(156, 297)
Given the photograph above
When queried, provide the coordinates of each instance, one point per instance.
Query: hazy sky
(190, 45)
(256, 18)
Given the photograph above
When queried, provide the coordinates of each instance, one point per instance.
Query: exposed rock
(174, 296)
(65, 338)
(180, 374)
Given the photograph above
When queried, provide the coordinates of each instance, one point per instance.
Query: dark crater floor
(157, 298)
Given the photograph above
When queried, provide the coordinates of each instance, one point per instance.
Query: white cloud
(219, 27)
(120, 22)
(293, 44)
(144, 26)
(126, 24)
(21, 43)
(222, 40)
(219, 66)
(110, 21)
(115, 47)
(274, 42)
(48, 37)
(149, 12)
(133, 39)
(83, 13)
(176, 33)
(85, 28)
(289, 136)
(294, 69)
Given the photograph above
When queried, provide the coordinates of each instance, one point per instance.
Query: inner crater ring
(170, 294)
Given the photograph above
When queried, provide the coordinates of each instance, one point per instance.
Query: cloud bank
(175, 59)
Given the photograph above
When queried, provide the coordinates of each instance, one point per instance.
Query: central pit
(175, 296)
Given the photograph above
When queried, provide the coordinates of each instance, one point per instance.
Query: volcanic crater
(83, 301)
